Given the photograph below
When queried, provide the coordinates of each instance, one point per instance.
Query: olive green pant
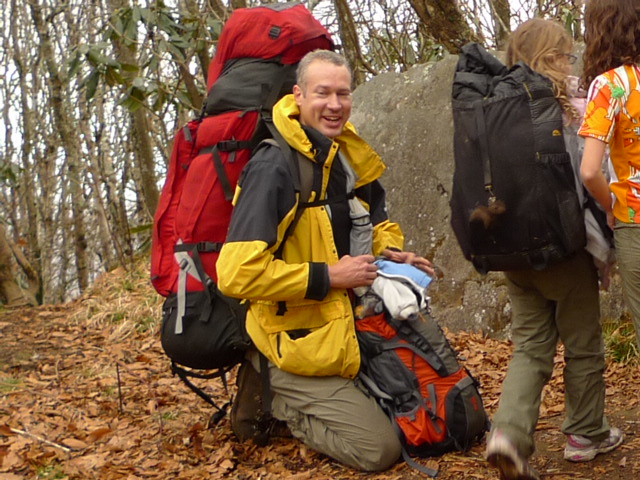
(558, 303)
(334, 416)
(627, 239)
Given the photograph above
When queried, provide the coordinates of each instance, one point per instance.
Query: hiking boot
(280, 429)
(502, 454)
(247, 416)
(581, 449)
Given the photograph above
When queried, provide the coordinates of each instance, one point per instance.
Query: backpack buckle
(207, 247)
(274, 32)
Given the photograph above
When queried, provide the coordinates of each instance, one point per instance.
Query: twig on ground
(119, 388)
(40, 439)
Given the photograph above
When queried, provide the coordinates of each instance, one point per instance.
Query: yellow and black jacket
(316, 334)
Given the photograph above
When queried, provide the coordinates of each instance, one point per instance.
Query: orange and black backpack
(412, 370)
(254, 66)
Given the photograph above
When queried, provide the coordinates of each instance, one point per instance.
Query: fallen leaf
(74, 443)
(96, 435)
(10, 476)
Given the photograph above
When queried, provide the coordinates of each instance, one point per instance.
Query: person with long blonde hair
(557, 303)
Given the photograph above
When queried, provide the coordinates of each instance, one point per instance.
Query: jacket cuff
(318, 285)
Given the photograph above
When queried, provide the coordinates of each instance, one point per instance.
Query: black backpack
(514, 203)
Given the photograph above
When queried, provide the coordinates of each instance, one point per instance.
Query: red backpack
(258, 51)
(254, 66)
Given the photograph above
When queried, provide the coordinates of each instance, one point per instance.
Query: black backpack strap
(222, 174)
(600, 217)
(199, 247)
(421, 468)
(184, 376)
(217, 163)
(230, 146)
(484, 146)
(266, 390)
(290, 154)
(305, 169)
(302, 174)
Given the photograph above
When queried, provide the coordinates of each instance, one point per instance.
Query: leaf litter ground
(86, 393)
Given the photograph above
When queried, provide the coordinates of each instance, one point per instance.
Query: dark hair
(612, 36)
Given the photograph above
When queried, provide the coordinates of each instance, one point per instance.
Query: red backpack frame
(194, 207)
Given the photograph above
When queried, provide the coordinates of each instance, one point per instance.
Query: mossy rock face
(407, 118)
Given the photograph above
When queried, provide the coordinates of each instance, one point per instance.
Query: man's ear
(297, 94)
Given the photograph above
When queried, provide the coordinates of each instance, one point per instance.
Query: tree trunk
(235, 4)
(203, 57)
(64, 124)
(10, 291)
(26, 183)
(106, 238)
(140, 127)
(445, 23)
(33, 291)
(502, 21)
(349, 38)
(218, 8)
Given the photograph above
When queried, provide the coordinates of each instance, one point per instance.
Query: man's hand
(352, 272)
(412, 259)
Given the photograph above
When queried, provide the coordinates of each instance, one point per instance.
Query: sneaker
(502, 454)
(581, 449)
(247, 416)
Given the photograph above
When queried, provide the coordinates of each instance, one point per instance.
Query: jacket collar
(365, 161)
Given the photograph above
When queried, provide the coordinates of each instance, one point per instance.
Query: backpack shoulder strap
(302, 174)
(301, 169)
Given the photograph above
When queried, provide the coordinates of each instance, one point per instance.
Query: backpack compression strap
(484, 148)
(192, 265)
(226, 146)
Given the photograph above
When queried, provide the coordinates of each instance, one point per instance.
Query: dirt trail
(93, 400)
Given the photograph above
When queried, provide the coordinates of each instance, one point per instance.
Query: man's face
(325, 102)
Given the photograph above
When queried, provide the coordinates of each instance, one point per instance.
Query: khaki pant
(558, 303)
(335, 417)
(627, 241)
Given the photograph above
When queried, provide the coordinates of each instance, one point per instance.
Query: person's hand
(611, 220)
(353, 272)
(412, 259)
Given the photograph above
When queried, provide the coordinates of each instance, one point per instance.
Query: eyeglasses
(571, 58)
